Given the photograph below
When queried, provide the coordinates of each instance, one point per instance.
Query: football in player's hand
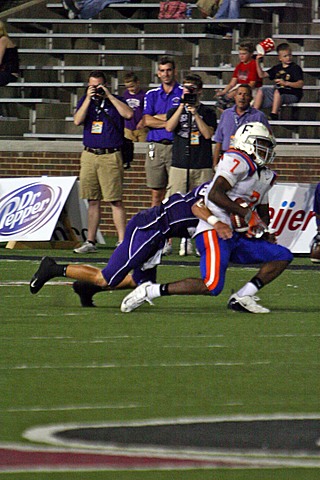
(238, 223)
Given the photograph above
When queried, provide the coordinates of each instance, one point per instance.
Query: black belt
(101, 151)
(164, 142)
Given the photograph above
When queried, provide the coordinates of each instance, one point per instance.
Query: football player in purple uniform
(140, 250)
(241, 173)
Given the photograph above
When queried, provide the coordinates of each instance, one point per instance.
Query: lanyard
(99, 109)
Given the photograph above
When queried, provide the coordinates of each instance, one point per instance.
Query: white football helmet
(256, 140)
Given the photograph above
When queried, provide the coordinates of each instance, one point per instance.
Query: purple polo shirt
(110, 137)
(158, 101)
(230, 121)
(135, 102)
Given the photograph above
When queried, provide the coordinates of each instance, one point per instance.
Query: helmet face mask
(256, 140)
(264, 151)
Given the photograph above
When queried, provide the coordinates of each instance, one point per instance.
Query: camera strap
(110, 119)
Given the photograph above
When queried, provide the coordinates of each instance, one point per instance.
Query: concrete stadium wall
(32, 159)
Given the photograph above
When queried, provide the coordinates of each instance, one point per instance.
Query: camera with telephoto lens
(191, 97)
(99, 95)
(99, 91)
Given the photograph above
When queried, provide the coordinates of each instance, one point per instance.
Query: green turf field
(182, 357)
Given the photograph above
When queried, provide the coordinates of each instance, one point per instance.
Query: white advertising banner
(292, 216)
(30, 209)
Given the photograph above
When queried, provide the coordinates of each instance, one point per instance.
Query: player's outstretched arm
(201, 211)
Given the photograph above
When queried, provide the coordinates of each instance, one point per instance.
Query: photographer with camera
(193, 125)
(101, 174)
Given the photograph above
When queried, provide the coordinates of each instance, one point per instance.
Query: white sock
(153, 291)
(249, 289)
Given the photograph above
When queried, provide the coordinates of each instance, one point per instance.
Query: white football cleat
(183, 250)
(246, 304)
(136, 298)
(87, 247)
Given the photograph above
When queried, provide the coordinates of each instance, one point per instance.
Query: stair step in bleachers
(61, 70)
(31, 104)
(124, 5)
(139, 23)
(55, 40)
(211, 103)
(61, 52)
(296, 38)
(102, 55)
(138, 39)
(43, 24)
(276, 9)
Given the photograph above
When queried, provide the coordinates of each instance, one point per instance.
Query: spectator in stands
(157, 102)
(193, 125)
(245, 72)
(315, 244)
(231, 9)
(134, 128)
(88, 8)
(288, 78)
(101, 175)
(9, 59)
(232, 118)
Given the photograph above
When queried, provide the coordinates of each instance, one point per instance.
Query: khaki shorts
(178, 179)
(210, 7)
(101, 176)
(158, 167)
(136, 135)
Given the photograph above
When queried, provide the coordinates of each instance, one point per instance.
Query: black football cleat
(42, 275)
(85, 290)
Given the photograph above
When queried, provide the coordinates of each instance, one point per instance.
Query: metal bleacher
(57, 53)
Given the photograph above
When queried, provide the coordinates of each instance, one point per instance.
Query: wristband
(212, 220)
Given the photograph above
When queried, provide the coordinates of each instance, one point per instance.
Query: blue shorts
(216, 255)
(138, 246)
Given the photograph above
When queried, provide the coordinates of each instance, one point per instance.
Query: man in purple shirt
(157, 102)
(101, 174)
(232, 118)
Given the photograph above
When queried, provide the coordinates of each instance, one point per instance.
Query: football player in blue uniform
(238, 197)
(140, 250)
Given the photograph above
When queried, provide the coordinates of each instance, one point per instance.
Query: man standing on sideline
(157, 102)
(232, 118)
(193, 124)
(101, 174)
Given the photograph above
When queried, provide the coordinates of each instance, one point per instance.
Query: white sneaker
(136, 298)
(87, 247)
(167, 249)
(182, 251)
(246, 304)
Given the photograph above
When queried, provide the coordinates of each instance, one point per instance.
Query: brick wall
(302, 169)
